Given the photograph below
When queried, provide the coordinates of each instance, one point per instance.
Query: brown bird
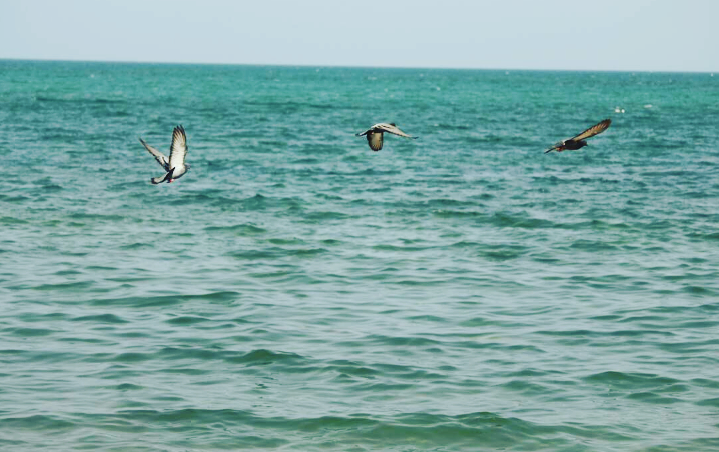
(577, 142)
(375, 134)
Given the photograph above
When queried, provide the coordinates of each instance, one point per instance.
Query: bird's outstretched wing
(375, 140)
(393, 129)
(161, 159)
(594, 130)
(558, 145)
(178, 148)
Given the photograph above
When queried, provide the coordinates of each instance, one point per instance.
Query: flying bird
(577, 142)
(174, 166)
(375, 134)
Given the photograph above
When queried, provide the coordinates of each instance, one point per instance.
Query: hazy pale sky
(654, 35)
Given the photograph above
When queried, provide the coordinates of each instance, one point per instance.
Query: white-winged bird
(375, 134)
(577, 142)
(174, 166)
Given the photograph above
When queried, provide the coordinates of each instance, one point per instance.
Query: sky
(620, 35)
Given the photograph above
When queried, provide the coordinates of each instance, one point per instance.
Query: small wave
(705, 236)
(448, 202)
(165, 300)
(400, 248)
(699, 291)
(325, 215)
(65, 286)
(14, 198)
(38, 422)
(508, 220)
(95, 216)
(442, 213)
(186, 320)
(403, 341)
(12, 220)
(100, 318)
(137, 246)
(592, 245)
(29, 332)
(270, 253)
(263, 357)
(630, 380)
(714, 402)
(292, 241)
(238, 229)
(653, 398)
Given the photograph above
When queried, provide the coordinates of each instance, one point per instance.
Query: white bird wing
(594, 130)
(161, 159)
(178, 148)
(391, 128)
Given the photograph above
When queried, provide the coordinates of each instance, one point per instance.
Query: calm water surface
(296, 291)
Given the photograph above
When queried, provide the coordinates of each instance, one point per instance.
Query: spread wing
(558, 145)
(391, 128)
(375, 140)
(178, 148)
(594, 130)
(161, 159)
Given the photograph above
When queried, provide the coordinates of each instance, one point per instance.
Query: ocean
(296, 291)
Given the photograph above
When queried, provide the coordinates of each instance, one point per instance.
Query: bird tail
(159, 180)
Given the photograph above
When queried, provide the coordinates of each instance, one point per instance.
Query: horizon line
(184, 63)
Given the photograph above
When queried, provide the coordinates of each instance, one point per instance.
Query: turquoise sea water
(296, 291)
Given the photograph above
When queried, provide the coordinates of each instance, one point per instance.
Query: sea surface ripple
(296, 291)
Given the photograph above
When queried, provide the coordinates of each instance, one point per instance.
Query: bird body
(174, 166)
(579, 141)
(375, 134)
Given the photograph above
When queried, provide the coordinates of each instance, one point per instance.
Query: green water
(296, 291)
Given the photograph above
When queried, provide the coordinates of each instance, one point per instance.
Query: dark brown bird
(578, 142)
(375, 134)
